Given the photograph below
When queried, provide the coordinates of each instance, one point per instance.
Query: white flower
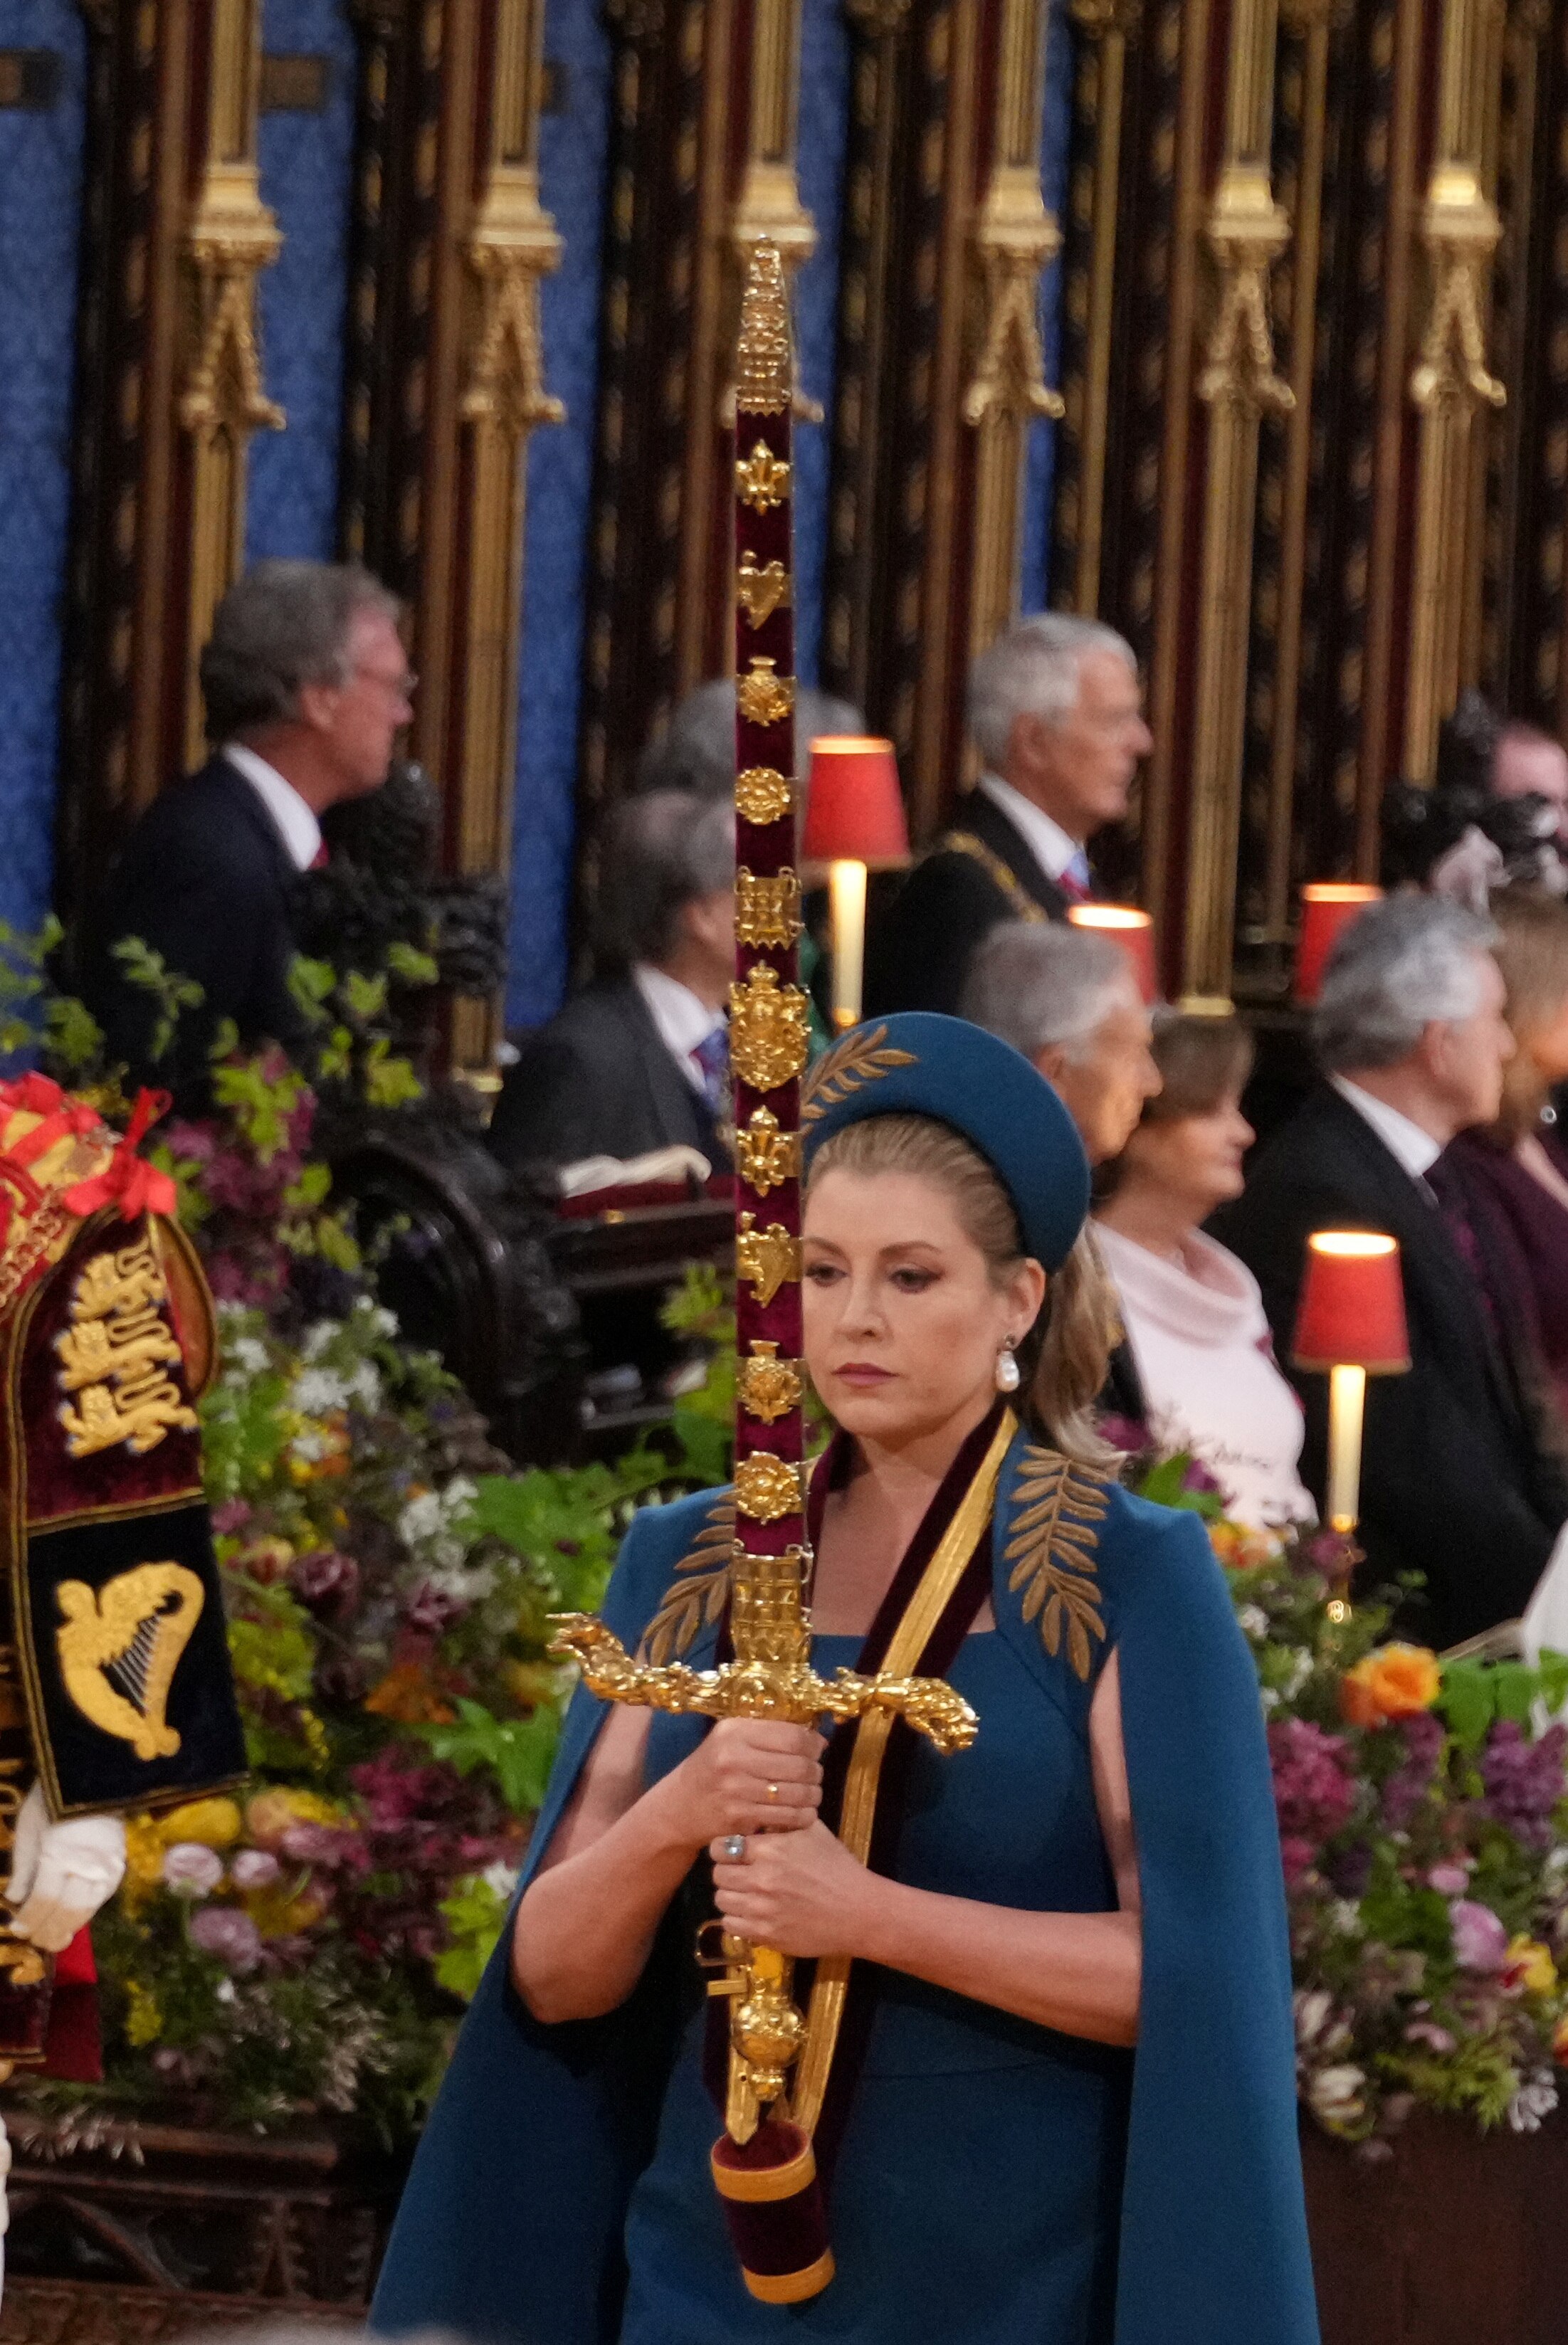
(423, 1518)
(1336, 2094)
(318, 1339)
(364, 1387)
(381, 1322)
(1269, 1698)
(309, 1448)
(1345, 1918)
(224, 1991)
(1313, 2005)
(1299, 1672)
(1254, 1622)
(317, 1392)
(190, 1870)
(458, 1496)
(500, 1877)
(244, 1353)
(1535, 2099)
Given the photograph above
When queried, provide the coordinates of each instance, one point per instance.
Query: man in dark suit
(639, 1059)
(307, 688)
(1056, 714)
(1458, 1482)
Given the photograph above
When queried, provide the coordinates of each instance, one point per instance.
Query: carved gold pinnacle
(764, 369)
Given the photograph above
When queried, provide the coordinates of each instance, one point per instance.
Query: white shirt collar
(301, 833)
(1052, 847)
(1416, 1149)
(683, 1020)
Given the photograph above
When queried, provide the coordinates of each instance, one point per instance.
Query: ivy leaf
(413, 966)
(312, 984)
(366, 997)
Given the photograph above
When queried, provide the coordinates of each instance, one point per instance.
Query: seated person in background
(1056, 714)
(307, 689)
(696, 750)
(1193, 1315)
(1455, 1481)
(639, 1059)
(1068, 999)
(1515, 1172)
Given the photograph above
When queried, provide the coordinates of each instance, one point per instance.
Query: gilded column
(1014, 238)
(1106, 27)
(230, 236)
(1246, 230)
(1459, 229)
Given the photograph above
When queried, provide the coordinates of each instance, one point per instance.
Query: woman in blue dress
(1061, 2104)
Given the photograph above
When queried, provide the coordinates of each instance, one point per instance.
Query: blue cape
(510, 2228)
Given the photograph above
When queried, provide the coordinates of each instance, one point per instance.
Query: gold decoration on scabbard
(770, 1030)
(765, 368)
(763, 698)
(765, 1259)
(761, 479)
(766, 1386)
(766, 1487)
(766, 910)
(763, 794)
(766, 1154)
(761, 592)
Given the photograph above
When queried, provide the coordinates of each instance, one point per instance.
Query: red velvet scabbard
(774, 2207)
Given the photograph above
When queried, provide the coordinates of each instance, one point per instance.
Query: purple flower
(1126, 1433)
(1407, 1787)
(254, 1868)
(326, 1578)
(1352, 1870)
(1480, 1940)
(1314, 1788)
(190, 1870)
(1524, 1781)
(231, 1515)
(1449, 1880)
(324, 1844)
(232, 1937)
(1427, 2031)
(430, 1610)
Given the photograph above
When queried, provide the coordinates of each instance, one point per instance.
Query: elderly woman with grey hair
(638, 1059)
(307, 689)
(1055, 710)
(1459, 1482)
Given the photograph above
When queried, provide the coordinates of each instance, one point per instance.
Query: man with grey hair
(1459, 1481)
(307, 689)
(1069, 1001)
(639, 1058)
(1055, 711)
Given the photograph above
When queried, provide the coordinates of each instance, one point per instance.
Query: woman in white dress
(1193, 1314)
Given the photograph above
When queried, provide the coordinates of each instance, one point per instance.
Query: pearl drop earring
(1007, 1377)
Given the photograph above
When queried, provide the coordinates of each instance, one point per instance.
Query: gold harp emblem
(762, 795)
(768, 1387)
(767, 1488)
(767, 911)
(761, 593)
(766, 1156)
(767, 1258)
(765, 698)
(120, 1646)
(770, 1030)
(762, 481)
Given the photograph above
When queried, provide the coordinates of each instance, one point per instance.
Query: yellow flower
(144, 2020)
(1242, 1548)
(269, 1815)
(214, 1824)
(278, 1915)
(265, 1560)
(144, 1850)
(1396, 1682)
(1529, 1965)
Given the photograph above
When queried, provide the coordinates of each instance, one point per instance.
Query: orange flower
(409, 1694)
(1396, 1682)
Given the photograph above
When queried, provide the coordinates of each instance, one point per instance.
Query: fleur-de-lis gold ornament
(766, 1386)
(765, 1488)
(767, 1259)
(767, 911)
(766, 1156)
(762, 794)
(770, 1030)
(765, 698)
(761, 592)
(761, 479)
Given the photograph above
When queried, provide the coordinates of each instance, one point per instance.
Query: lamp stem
(1347, 1405)
(847, 895)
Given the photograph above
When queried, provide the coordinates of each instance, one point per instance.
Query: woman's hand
(750, 1775)
(799, 1892)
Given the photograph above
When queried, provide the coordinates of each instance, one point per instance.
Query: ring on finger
(733, 1849)
(773, 1790)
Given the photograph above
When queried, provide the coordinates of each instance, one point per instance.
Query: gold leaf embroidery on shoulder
(695, 1597)
(858, 1059)
(1051, 1537)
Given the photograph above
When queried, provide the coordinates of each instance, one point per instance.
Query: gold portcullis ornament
(765, 1488)
(762, 481)
(770, 1030)
(766, 1386)
(765, 698)
(768, 1155)
(762, 795)
(767, 1259)
(767, 911)
(761, 592)
(764, 359)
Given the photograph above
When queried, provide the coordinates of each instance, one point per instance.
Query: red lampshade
(1132, 931)
(1327, 907)
(1351, 1312)
(854, 811)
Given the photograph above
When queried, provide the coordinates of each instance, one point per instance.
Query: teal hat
(918, 1063)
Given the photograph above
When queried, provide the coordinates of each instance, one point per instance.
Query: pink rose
(254, 1868)
(1449, 1880)
(190, 1870)
(1480, 1940)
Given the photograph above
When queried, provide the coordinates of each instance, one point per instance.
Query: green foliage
(312, 984)
(1476, 1694)
(1166, 1485)
(567, 1522)
(261, 1098)
(475, 1914)
(73, 1039)
(519, 1752)
(412, 967)
(172, 993)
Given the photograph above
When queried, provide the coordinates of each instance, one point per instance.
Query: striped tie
(1078, 882)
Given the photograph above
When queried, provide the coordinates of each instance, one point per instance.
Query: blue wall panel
(1040, 474)
(572, 150)
(40, 206)
(823, 132)
(307, 164)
